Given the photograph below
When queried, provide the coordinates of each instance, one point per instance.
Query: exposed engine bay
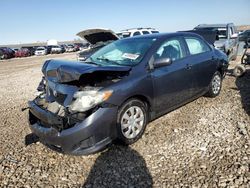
(71, 96)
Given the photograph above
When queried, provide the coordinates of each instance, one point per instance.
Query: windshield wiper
(108, 60)
(91, 62)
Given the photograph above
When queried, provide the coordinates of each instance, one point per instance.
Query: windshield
(122, 52)
(40, 49)
(221, 31)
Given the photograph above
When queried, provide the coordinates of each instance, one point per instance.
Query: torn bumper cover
(85, 137)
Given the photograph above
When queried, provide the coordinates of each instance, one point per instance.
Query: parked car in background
(227, 37)
(84, 106)
(97, 38)
(244, 35)
(136, 31)
(63, 47)
(85, 46)
(48, 49)
(41, 51)
(15, 49)
(70, 48)
(23, 52)
(1, 54)
(30, 48)
(77, 46)
(7, 53)
(56, 49)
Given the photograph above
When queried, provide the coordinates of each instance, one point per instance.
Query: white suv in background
(136, 31)
(41, 51)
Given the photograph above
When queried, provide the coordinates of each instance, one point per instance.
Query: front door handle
(188, 66)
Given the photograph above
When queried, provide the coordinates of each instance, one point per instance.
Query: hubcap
(216, 84)
(132, 122)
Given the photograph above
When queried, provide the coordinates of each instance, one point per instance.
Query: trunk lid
(94, 36)
(209, 36)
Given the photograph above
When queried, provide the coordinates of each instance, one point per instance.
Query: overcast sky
(34, 20)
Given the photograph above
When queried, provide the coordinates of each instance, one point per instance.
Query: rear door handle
(188, 66)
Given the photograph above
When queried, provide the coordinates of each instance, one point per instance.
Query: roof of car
(139, 28)
(161, 35)
(212, 25)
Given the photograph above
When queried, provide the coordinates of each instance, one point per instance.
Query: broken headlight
(85, 100)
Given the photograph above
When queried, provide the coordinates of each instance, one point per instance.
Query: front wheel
(215, 85)
(131, 121)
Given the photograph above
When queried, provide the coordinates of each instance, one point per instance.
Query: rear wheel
(131, 121)
(215, 85)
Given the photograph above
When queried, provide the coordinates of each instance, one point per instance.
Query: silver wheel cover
(216, 84)
(132, 122)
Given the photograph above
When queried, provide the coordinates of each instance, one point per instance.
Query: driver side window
(170, 49)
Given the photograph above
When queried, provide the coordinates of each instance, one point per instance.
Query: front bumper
(89, 136)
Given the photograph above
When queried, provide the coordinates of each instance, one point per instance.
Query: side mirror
(162, 62)
(234, 36)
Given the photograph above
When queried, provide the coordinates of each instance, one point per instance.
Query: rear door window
(145, 32)
(137, 33)
(196, 46)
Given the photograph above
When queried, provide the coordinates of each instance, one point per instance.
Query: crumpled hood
(67, 71)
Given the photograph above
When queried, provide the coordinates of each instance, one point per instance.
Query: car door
(232, 42)
(171, 83)
(202, 62)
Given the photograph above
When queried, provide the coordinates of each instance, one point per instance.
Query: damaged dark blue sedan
(81, 107)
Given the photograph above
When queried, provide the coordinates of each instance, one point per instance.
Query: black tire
(212, 92)
(239, 70)
(122, 110)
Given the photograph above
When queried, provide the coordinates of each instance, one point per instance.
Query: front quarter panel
(137, 83)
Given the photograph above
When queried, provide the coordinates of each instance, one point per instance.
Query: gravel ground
(203, 144)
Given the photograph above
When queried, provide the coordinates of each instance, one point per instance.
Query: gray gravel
(203, 144)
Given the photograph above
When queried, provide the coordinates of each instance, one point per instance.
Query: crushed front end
(70, 114)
